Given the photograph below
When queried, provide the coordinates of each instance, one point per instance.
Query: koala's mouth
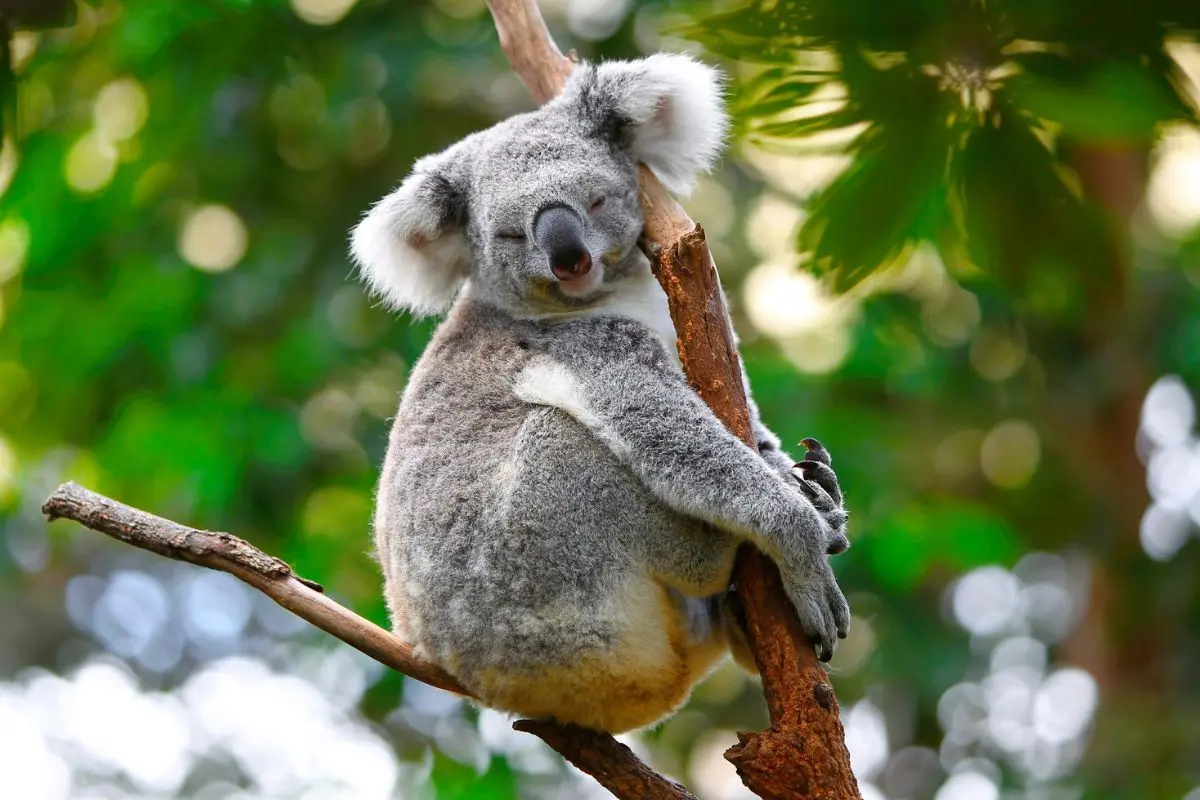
(594, 287)
(573, 295)
(582, 287)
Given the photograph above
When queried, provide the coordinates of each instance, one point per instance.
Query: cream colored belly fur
(648, 675)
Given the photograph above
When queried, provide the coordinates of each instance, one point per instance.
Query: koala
(558, 512)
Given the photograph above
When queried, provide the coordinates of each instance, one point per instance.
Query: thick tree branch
(597, 754)
(803, 755)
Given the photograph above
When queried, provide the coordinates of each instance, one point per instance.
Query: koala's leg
(695, 561)
(716, 625)
(617, 383)
(706, 639)
(690, 556)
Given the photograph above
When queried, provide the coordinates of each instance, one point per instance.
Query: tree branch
(227, 553)
(597, 754)
(803, 755)
(531, 50)
(608, 761)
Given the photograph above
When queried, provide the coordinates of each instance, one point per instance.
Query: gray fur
(558, 511)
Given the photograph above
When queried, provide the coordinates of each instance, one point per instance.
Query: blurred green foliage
(955, 104)
(180, 328)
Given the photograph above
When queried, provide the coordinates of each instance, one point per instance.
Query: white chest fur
(642, 299)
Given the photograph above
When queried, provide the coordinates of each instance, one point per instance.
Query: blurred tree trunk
(1121, 639)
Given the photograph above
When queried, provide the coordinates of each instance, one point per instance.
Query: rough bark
(611, 763)
(597, 754)
(1123, 647)
(803, 754)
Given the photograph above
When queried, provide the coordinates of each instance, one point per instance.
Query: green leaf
(891, 196)
(804, 126)
(1119, 100)
(784, 97)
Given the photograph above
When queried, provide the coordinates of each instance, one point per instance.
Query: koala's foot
(820, 605)
(822, 608)
(819, 482)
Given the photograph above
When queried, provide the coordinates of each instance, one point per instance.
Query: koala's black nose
(558, 231)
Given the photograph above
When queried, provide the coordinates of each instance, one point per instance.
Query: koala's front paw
(820, 484)
(820, 605)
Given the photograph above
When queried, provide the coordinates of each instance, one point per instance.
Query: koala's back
(510, 537)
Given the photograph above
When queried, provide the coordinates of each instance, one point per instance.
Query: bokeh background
(962, 244)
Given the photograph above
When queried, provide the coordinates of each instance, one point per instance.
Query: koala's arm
(619, 385)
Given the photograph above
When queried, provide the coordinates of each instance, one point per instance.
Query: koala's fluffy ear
(673, 105)
(411, 246)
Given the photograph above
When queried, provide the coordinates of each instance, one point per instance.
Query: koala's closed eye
(596, 205)
(511, 236)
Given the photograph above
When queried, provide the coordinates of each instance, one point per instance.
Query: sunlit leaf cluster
(967, 121)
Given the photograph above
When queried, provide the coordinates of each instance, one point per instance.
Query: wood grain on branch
(803, 754)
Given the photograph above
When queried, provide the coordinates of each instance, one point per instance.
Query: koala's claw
(838, 544)
(816, 451)
(819, 483)
(821, 474)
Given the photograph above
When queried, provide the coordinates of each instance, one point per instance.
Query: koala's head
(540, 212)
